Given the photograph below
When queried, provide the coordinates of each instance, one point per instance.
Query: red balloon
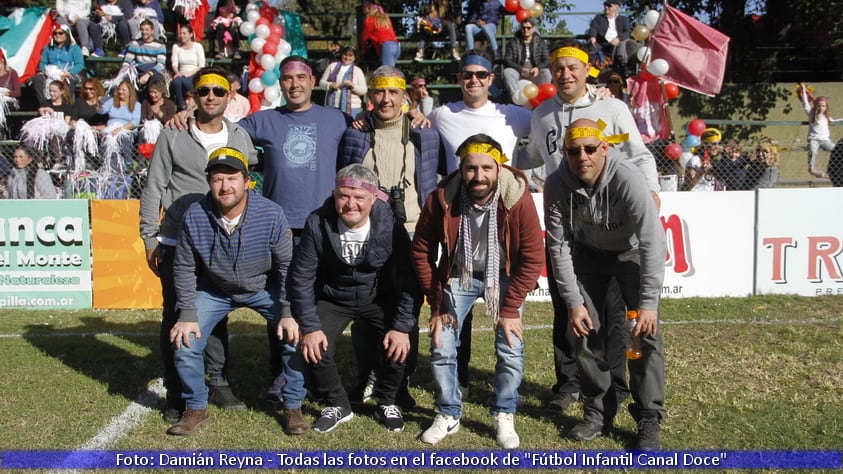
(696, 127)
(270, 48)
(673, 151)
(671, 90)
(535, 101)
(546, 91)
(276, 29)
(522, 15)
(264, 21)
(512, 6)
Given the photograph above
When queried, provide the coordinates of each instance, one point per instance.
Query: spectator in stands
(345, 83)
(113, 18)
(117, 140)
(730, 169)
(76, 14)
(332, 55)
(526, 57)
(615, 83)
(59, 101)
(439, 18)
(147, 55)
(61, 60)
(763, 171)
(819, 135)
(147, 10)
(157, 106)
(378, 36)
(227, 27)
(699, 176)
(186, 59)
(420, 97)
(483, 16)
(87, 107)
(238, 105)
(9, 82)
(609, 34)
(27, 179)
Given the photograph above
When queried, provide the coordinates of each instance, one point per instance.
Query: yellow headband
(232, 152)
(486, 149)
(213, 80)
(387, 83)
(593, 71)
(585, 132)
(571, 52)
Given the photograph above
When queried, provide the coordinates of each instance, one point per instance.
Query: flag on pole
(695, 52)
(28, 33)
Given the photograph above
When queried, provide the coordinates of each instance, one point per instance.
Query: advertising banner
(45, 254)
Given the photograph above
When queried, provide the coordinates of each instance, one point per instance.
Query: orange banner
(122, 280)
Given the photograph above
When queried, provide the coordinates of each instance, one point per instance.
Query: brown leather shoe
(190, 421)
(294, 423)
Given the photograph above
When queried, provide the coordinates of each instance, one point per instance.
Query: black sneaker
(223, 397)
(561, 401)
(585, 431)
(331, 417)
(390, 416)
(649, 430)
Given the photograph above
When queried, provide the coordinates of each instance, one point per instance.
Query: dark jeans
(216, 352)
(234, 31)
(371, 321)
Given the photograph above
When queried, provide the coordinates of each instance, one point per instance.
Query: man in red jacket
(485, 217)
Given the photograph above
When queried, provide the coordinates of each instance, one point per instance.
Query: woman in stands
(124, 117)
(187, 57)
(378, 35)
(157, 106)
(345, 83)
(9, 82)
(61, 60)
(27, 179)
(59, 101)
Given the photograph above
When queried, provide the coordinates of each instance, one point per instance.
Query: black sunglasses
(575, 152)
(218, 91)
(479, 74)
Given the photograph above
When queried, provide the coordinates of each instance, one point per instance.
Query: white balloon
(255, 85)
(257, 45)
(643, 53)
(252, 6)
(271, 94)
(267, 61)
(519, 98)
(253, 15)
(684, 158)
(527, 4)
(280, 54)
(651, 18)
(658, 67)
(262, 31)
(247, 28)
(285, 46)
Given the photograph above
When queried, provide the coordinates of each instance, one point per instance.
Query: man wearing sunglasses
(526, 57)
(574, 100)
(176, 178)
(602, 224)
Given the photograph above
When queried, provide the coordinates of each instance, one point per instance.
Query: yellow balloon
(640, 32)
(531, 91)
(536, 10)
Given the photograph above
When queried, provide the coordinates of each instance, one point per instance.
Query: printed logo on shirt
(300, 147)
(354, 251)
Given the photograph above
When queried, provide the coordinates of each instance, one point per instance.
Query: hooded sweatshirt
(618, 216)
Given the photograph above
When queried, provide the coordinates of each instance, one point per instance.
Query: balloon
(671, 90)
(285, 46)
(640, 32)
(267, 61)
(546, 91)
(276, 29)
(522, 15)
(511, 6)
(527, 4)
(253, 15)
(696, 127)
(255, 85)
(263, 21)
(643, 53)
(252, 7)
(271, 94)
(690, 141)
(262, 31)
(270, 48)
(269, 77)
(534, 102)
(673, 151)
(537, 10)
(273, 38)
(530, 90)
(518, 98)
(651, 18)
(247, 28)
(658, 67)
(280, 55)
(257, 45)
(684, 158)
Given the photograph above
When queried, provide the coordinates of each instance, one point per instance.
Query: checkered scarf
(491, 274)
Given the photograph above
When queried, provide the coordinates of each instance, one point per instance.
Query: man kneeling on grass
(233, 251)
(352, 265)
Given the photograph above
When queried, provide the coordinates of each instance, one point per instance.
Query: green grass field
(753, 373)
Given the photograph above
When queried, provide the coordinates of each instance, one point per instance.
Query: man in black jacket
(526, 57)
(610, 33)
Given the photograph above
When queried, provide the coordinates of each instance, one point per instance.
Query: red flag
(647, 104)
(695, 52)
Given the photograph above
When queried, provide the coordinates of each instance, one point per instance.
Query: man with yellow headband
(175, 179)
(602, 224)
(233, 251)
(484, 219)
(574, 100)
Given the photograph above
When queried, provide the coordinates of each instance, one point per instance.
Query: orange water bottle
(633, 344)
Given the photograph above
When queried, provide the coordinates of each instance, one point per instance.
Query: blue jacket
(319, 271)
(67, 57)
(253, 258)
(429, 156)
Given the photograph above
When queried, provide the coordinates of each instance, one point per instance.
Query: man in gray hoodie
(602, 223)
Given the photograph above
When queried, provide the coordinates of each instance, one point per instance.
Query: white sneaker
(443, 425)
(85, 51)
(505, 431)
(419, 56)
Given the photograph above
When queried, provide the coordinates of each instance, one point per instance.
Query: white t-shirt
(354, 243)
(211, 141)
(612, 32)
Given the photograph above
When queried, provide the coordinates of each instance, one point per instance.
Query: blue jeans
(443, 359)
(471, 30)
(390, 51)
(212, 308)
(181, 85)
